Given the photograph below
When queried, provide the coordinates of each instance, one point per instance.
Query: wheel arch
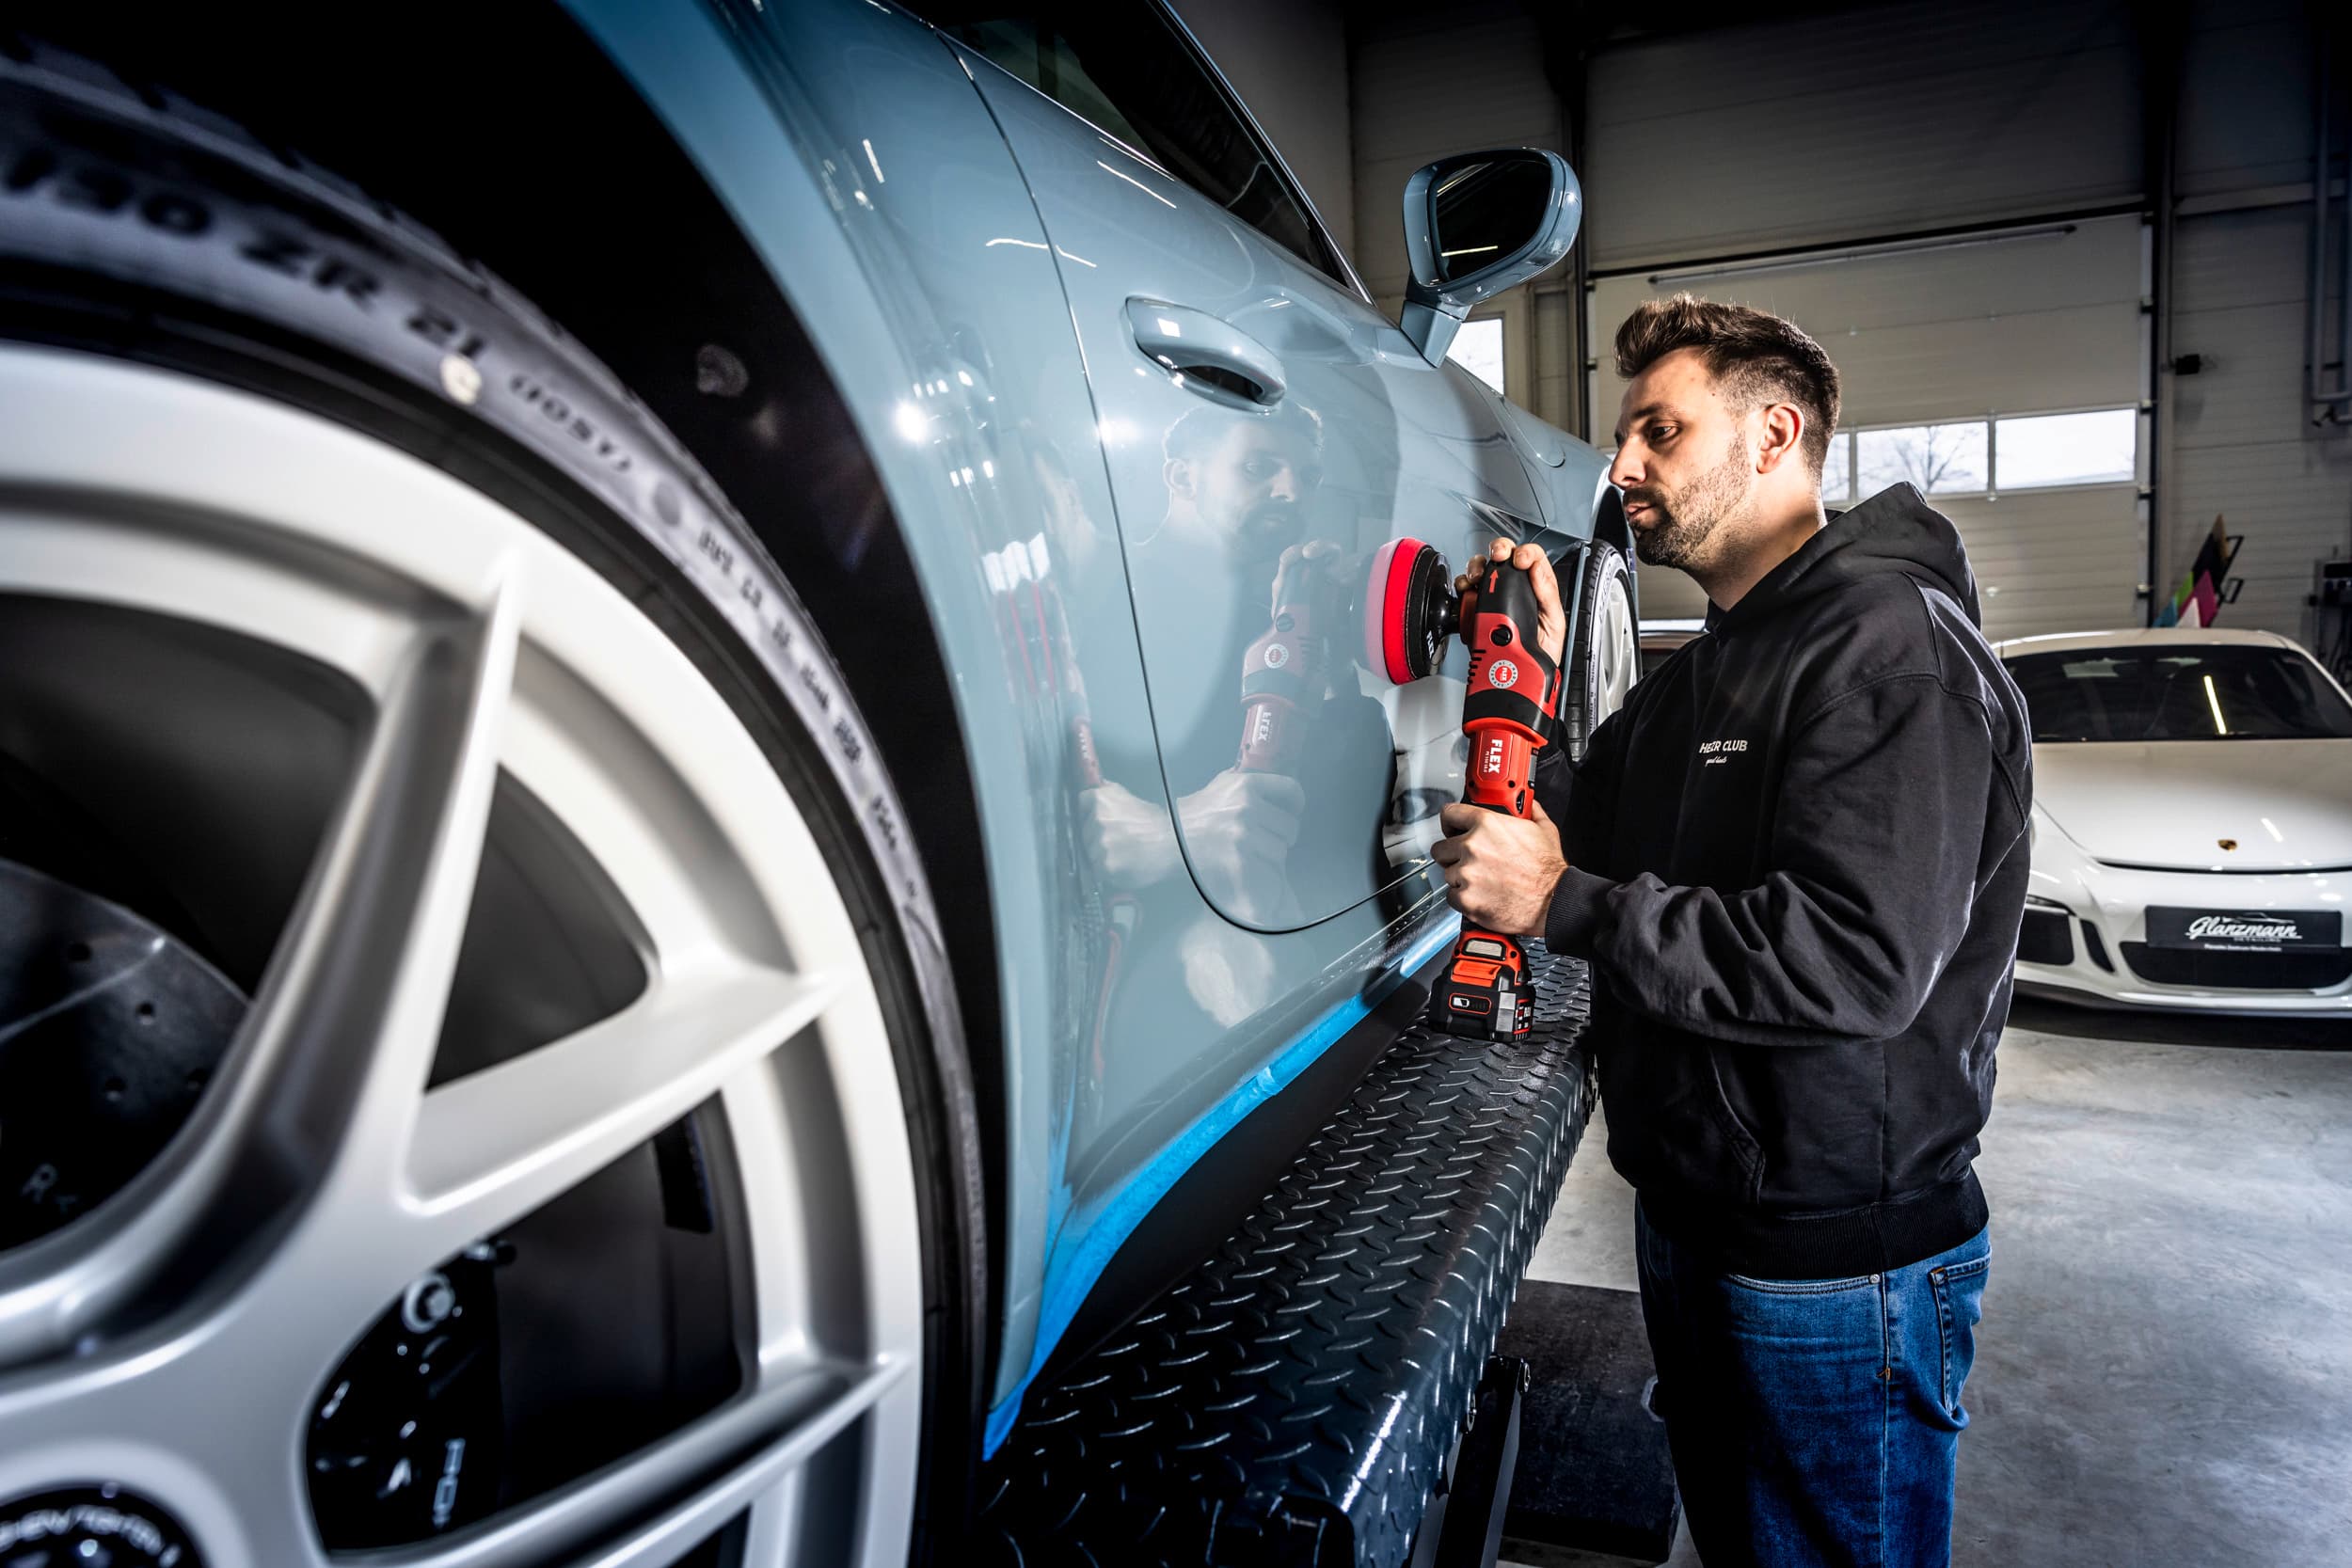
(523, 182)
(1610, 527)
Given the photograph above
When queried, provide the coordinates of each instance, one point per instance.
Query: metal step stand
(1307, 1392)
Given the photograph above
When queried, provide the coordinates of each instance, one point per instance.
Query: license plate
(2245, 931)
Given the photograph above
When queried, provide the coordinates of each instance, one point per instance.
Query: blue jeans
(1814, 1422)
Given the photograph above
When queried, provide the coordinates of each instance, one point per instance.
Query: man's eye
(1661, 432)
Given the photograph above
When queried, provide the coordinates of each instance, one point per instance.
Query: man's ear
(1782, 434)
(1177, 473)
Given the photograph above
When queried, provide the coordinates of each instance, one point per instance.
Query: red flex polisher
(1411, 609)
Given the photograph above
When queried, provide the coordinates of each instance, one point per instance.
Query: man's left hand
(1500, 871)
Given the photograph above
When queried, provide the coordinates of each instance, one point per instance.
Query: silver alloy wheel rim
(1617, 650)
(485, 647)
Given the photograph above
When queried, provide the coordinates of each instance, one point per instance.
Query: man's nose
(1625, 470)
(1283, 487)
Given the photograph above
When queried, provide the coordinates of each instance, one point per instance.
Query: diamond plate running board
(1293, 1398)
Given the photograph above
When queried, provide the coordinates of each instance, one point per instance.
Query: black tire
(138, 226)
(1602, 572)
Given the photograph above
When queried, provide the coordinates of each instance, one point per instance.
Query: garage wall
(2243, 444)
(1863, 122)
(1289, 63)
(1428, 81)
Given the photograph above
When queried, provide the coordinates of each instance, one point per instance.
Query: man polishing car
(1797, 861)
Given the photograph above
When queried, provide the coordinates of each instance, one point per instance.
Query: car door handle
(1212, 357)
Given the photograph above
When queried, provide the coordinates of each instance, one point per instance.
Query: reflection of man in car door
(1241, 487)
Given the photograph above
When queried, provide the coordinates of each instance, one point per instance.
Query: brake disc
(109, 1029)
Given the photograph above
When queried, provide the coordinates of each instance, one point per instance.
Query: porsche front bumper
(2086, 941)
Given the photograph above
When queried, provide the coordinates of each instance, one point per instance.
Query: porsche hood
(2202, 806)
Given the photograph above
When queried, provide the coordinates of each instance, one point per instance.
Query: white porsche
(2192, 822)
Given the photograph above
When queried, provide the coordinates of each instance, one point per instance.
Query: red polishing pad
(1408, 599)
(1384, 628)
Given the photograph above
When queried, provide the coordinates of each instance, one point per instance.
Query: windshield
(2180, 691)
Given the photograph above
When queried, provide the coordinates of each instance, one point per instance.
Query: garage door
(1909, 117)
(2000, 370)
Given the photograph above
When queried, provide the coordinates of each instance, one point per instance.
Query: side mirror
(1476, 224)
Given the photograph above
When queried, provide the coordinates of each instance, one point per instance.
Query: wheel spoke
(687, 1486)
(1621, 654)
(346, 1017)
(491, 1147)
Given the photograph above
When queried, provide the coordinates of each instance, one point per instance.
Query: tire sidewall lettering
(67, 205)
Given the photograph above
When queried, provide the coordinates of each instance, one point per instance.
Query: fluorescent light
(2213, 700)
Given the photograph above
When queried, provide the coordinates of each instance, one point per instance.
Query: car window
(1125, 69)
(2179, 691)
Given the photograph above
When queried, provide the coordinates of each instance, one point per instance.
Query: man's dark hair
(1754, 355)
(1199, 429)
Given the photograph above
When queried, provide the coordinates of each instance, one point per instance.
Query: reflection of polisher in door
(1409, 609)
(1283, 676)
(1031, 599)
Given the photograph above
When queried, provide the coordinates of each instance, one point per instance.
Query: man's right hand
(1552, 621)
(1238, 832)
(1131, 841)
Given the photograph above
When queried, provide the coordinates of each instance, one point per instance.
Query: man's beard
(1267, 529)
(1681, 534)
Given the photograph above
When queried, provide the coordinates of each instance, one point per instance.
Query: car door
(1264, 430)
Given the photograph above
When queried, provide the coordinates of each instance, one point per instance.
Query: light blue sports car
(650, 875)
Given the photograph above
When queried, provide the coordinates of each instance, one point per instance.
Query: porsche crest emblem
(2227, 843)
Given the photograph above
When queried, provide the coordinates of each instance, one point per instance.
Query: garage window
(1478, 349)
(2029, 452)
(1939, 459)
(2095, 447)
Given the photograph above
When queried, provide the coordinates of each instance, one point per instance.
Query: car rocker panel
(1290, 1400)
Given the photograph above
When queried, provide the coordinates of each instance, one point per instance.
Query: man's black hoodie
(1798, 861)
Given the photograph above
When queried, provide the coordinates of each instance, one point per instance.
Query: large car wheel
(1607, 658)
(476, 1074)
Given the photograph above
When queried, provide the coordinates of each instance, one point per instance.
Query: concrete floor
(2164, 1373)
